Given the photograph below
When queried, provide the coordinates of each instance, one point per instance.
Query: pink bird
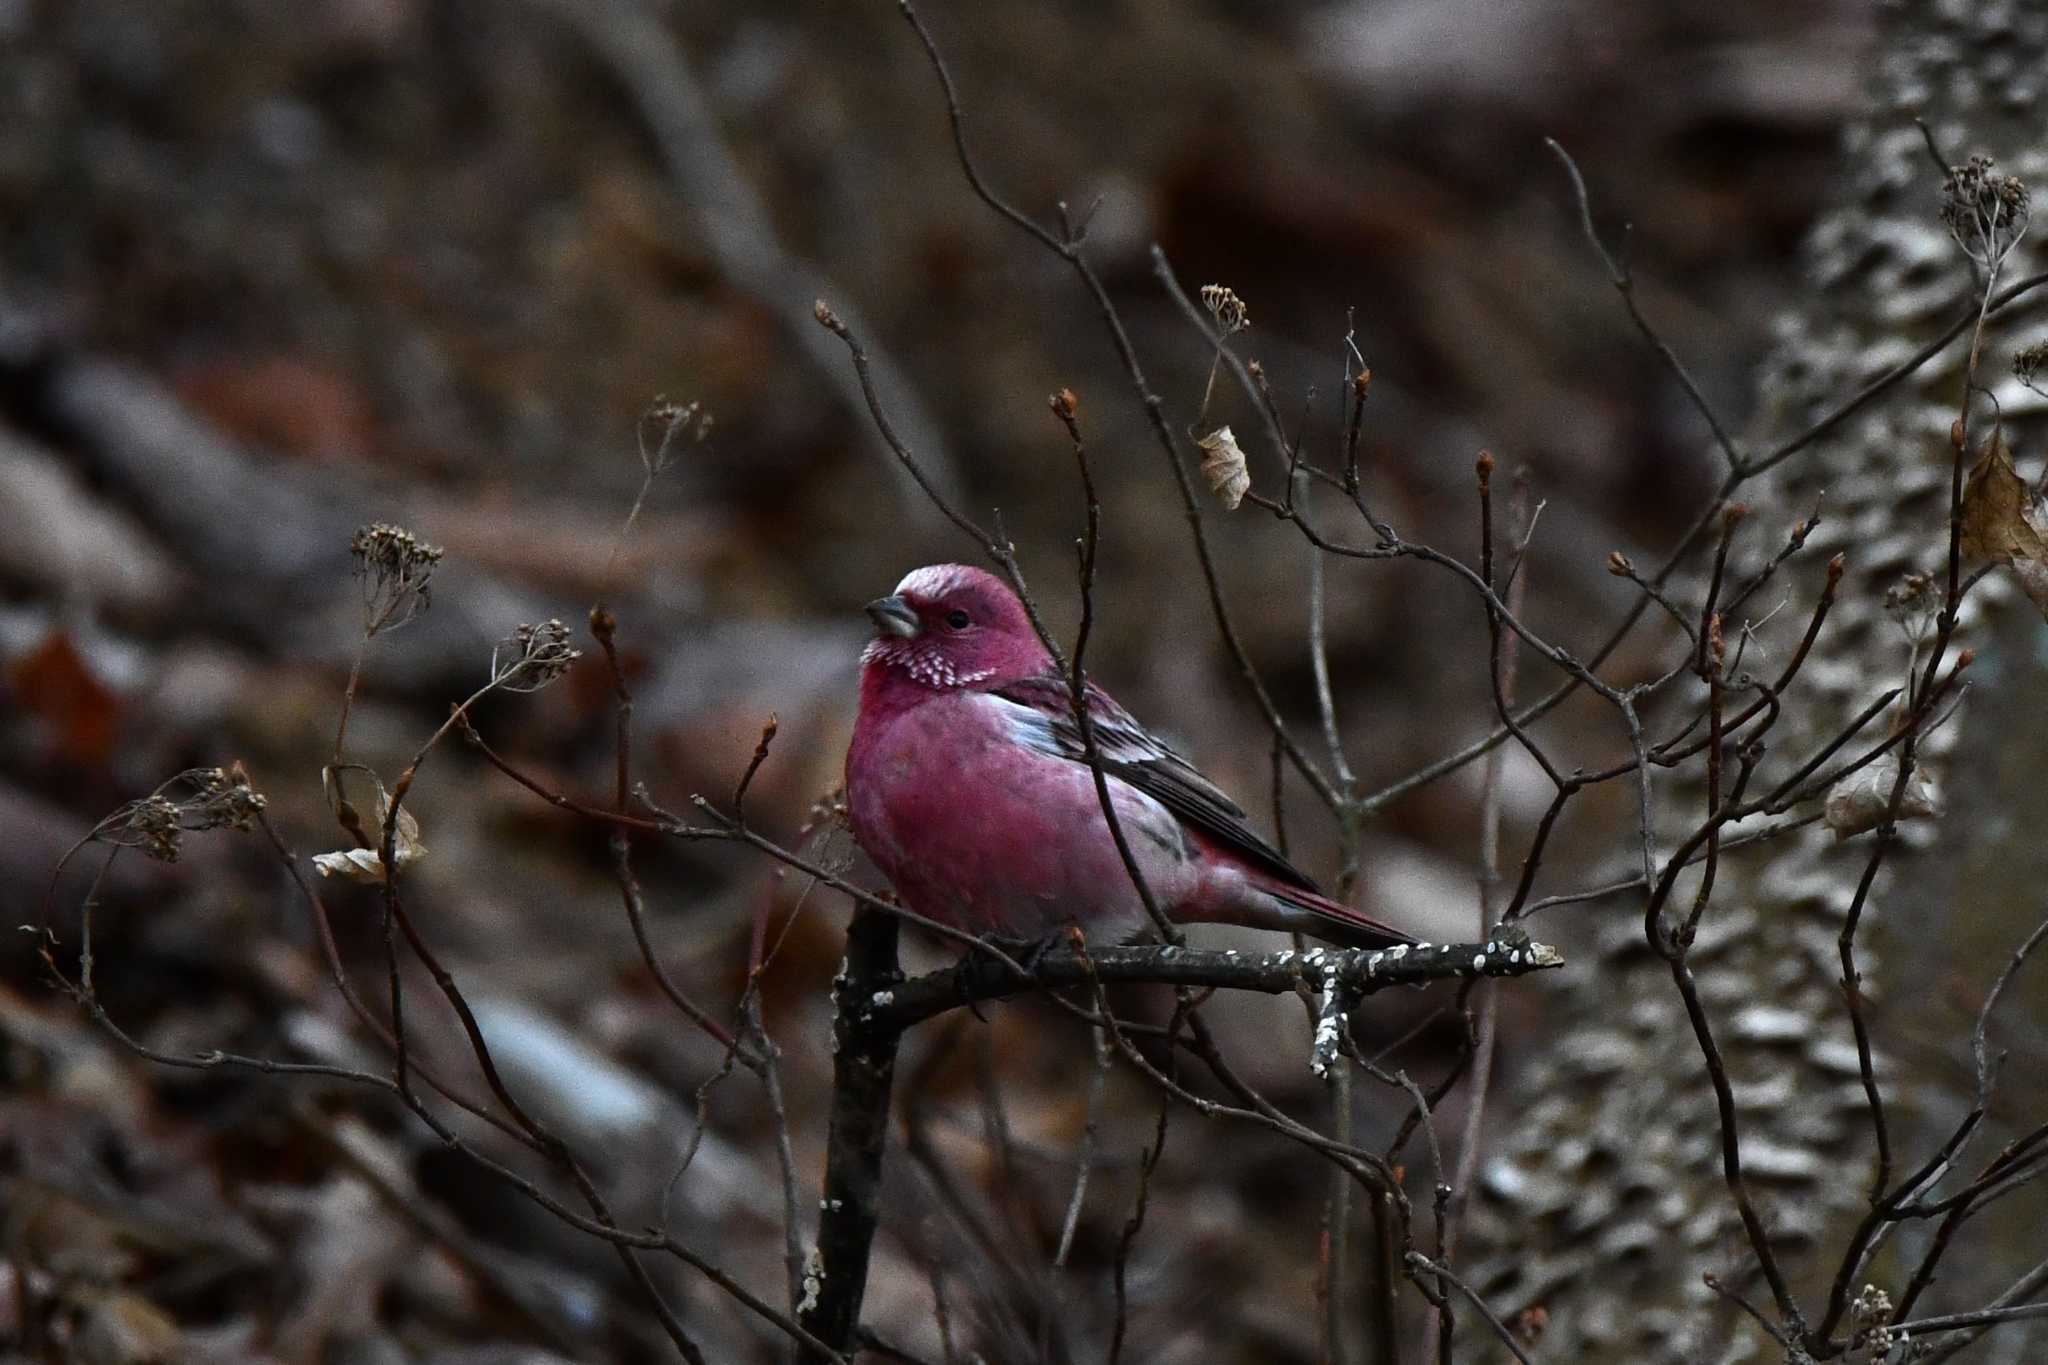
(968, 784)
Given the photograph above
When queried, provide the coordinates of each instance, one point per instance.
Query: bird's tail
(1298, 908)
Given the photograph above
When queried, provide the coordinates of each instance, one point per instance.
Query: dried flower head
(1870, 1326)
(196, 799)
(1984, 211)
(1226, 307)
(2028, 363)
(394, 567)
(150, 825)
(664, 425)
(1912, 603)
(1912, 593)
(223, 799)
(531, 657)
(826, 836)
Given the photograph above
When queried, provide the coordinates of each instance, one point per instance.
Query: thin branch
(2033, 1282)
(1983, 1317)
(1084, 1158)
(1132, 1226)
(1418, 1261)
(1624, 284)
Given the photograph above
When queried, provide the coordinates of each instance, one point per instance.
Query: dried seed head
(1226, 307)
(1984, 211)
(150, 825)
(1870, 1327)
(1912, 603)
(2028, 363)
(394, 567)
(531, 657)
(224, 799)
(197, 799)
(1911, 594)
(664, 426)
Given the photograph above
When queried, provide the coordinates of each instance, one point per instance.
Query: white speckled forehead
(935, 580)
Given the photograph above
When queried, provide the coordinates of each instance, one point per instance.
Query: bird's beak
(893, 616)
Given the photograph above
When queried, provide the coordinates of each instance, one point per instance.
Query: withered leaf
(366, 865)
(2002, 524)
(1224, 467)
(1861, 800)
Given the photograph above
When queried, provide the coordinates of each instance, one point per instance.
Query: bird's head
(951, 626)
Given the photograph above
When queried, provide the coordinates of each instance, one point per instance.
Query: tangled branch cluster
(1700, 631)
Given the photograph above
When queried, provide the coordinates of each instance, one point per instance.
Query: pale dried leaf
(364, 864)
(1223, 465)
(1860, 801)
(352, 864)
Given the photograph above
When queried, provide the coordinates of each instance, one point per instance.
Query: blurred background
(269, 272)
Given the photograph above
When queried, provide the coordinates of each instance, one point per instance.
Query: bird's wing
(1043, 718)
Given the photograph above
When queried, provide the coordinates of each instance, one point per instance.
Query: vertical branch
(1065, 407)
(864, 1066)
(1337, 1297)
(785, 1150)
(1350, 823)
(1084, 1159)
(1133, 1226)
(1319, 659)
(1387, 1314)
(1504, 668)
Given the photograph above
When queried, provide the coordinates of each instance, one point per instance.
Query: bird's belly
(1006, 840)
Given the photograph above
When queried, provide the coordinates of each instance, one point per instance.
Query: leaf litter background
(269, 272)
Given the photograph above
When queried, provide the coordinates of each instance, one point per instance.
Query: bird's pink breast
(982, 832)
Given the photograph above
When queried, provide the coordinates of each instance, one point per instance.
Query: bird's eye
(957, 619)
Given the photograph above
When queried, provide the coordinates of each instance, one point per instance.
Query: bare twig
(1084, 1158)
(1624, 284)
(1419, 1262)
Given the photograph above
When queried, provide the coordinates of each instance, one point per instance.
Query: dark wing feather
(1134, 755)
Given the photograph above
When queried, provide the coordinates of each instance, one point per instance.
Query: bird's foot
(1028, 953)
